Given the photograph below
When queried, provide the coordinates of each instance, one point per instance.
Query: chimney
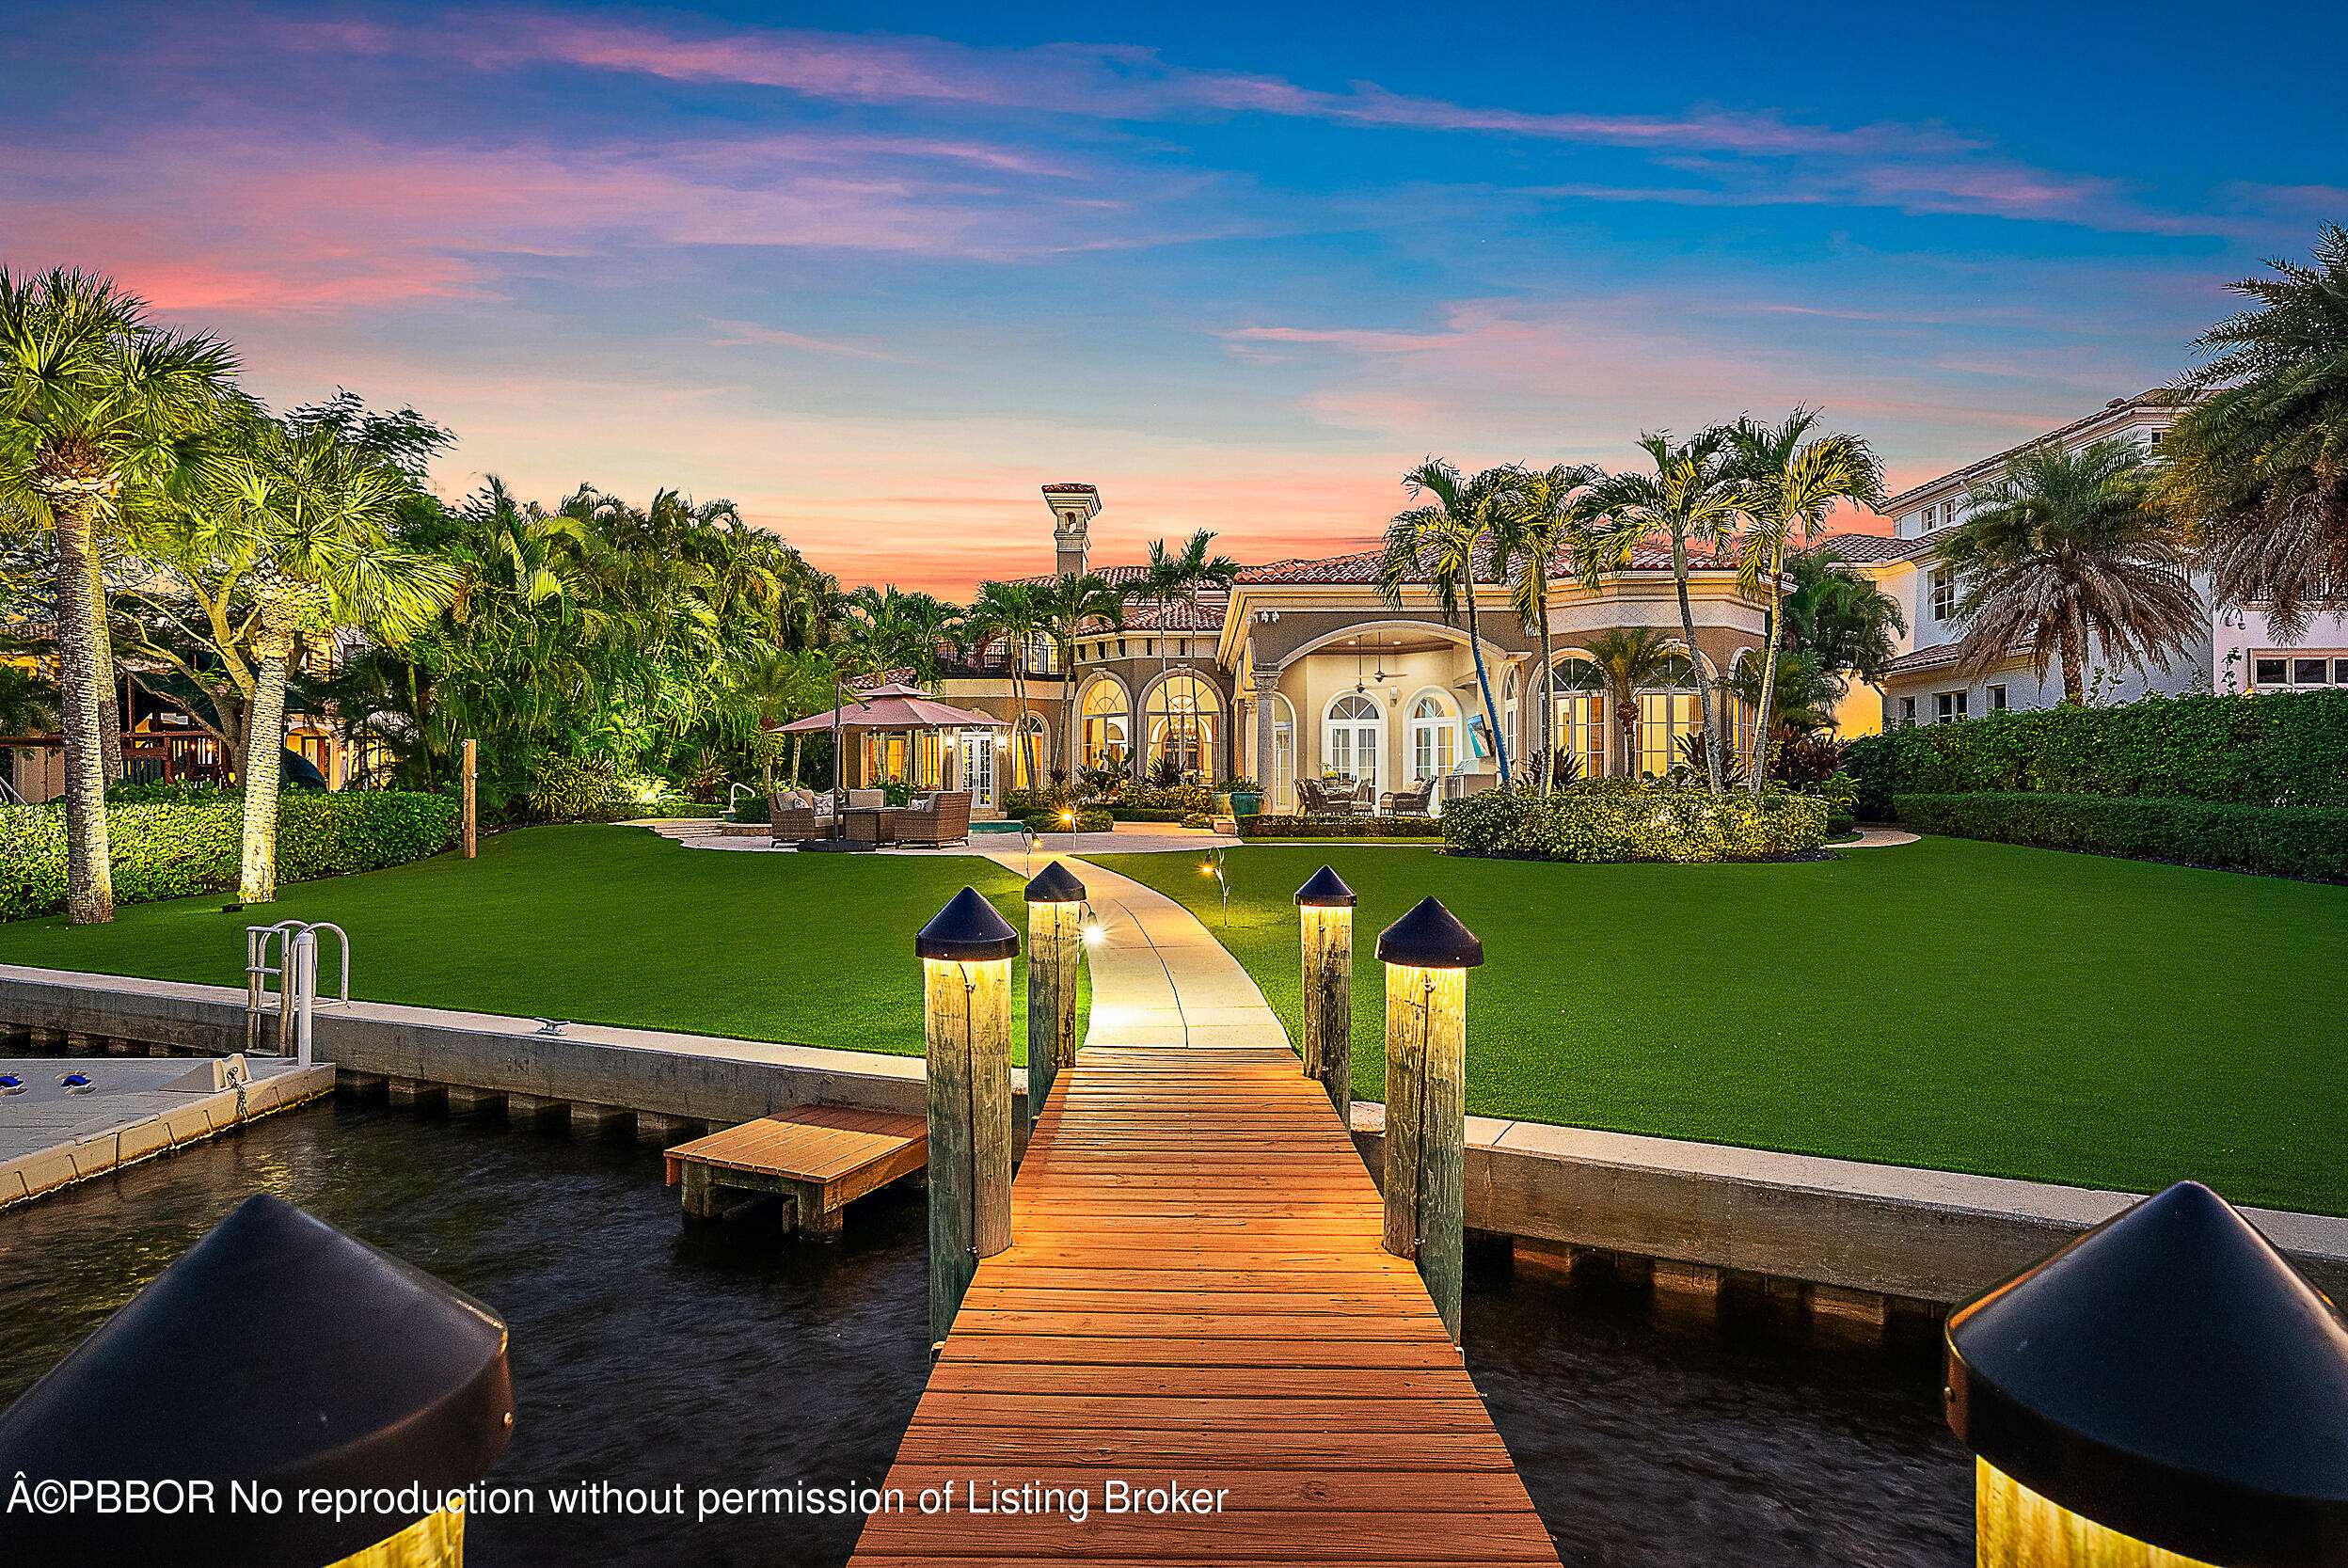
(1072, 506)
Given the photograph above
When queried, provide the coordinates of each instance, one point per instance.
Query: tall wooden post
(2166, 1391)
(470, 821)
(1427, 955)
(1324, 913)
(1056, 908)
(966, 952)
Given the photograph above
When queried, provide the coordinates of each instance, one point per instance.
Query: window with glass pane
(1183, 711)
(1106, 738)
(2310, 671)
(1434, 739)
(1581, 718)
(1283, 780)
(2273, 672)
(1997, 699)
(1943, 593)
(2339, 671)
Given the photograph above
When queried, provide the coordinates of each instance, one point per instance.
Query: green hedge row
(2310, 842)
(1338, 826)
(2289, 749)
(1089, 820)
(171, 850)
(1654, 824)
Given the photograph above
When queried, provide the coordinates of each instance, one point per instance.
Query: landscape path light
(281, 1356)
(966, 952)
(1325, 917)
(2164, 1391)
(1427, 956)
(1056, 945)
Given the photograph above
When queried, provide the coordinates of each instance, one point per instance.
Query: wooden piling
(966, 953)
(1329, 1004)
(1055, 948)
(1427, 955)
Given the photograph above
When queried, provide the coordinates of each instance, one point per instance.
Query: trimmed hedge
(1654, 824)
(1089, 820)
(1263, 826)
(2287, 749)
(1181, 800)
(2309, 842)
(172, 850)
(1149, 814)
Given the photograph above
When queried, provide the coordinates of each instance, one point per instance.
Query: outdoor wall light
(2164, 1391)
(358, 1371)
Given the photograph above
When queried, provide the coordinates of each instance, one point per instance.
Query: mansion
(1304, 670)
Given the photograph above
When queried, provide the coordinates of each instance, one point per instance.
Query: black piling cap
(967, 929)
(1056, 884)
(1327, 890)
(276, 1352)
(2171, 1377)
(1430, 937)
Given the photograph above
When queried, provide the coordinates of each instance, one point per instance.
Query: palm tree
(1540, 516)
(1172, 578)
(1013, 611)
(1069, 606)
(1800, 702)
(1789, 479)
(2257, 471)
(1440, 544)
(92, 399)
(1689, 498)
(1627, 658)
(2065, 544)
(1841, 617)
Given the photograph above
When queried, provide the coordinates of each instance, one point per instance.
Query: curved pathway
(1159, 978)
(1878, 838)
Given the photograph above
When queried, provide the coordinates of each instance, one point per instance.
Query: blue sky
(878, 272)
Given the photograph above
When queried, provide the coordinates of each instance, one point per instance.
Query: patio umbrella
(889, 706)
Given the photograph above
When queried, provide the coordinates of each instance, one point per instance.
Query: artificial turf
(1948, 1004)
(601, 924)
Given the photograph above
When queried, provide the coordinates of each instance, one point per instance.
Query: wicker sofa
(937, 820)
(792, 815)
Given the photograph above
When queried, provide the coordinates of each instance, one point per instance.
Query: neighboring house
(1303, 669)
(2240, 652)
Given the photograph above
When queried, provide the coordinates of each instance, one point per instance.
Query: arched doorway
(1185, 716)
(1031, 751)
(1669, 710)
(1433, 737)
(1581, 730)
(1283, 780)
(1107, 731)
(1349, 739)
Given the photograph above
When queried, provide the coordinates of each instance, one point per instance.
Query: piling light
(966, 952)
(1325, 918)
(2166, 1391)
(1427, 955)
(280, 1356)
(1056, 913)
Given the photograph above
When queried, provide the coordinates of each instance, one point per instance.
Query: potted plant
(1239, 798)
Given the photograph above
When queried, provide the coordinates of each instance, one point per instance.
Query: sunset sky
(876, 273)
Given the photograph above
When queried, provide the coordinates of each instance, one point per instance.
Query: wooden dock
(820, 1158)
(1196, 1300)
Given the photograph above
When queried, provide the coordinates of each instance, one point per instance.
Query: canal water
(650, 1358)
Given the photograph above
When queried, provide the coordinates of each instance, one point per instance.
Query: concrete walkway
(1878, 838)
(1159, 978)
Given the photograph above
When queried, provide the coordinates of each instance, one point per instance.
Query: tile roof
(1362, 566)
(1206, 616)
(1938, 657)
(2157, 397)
(1867, 549)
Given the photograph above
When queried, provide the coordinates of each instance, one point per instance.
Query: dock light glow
(966, 952)
(1427, 955)
(1325, 912)
(1056, 919)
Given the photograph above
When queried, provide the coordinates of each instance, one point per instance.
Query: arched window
(1283, 780)
(1669, 709)
(1434, 739)
(1107, 731)
(1349, 739)
(1031, 751)
(1184, 715)
(1579, 694)
(1520, 744)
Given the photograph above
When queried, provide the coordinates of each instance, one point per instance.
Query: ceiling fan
(1361, 685)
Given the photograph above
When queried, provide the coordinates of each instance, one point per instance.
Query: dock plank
(1195, 1295)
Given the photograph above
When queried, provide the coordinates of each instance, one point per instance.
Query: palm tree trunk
(1484, 680)
(110, 714)
(256, 881)
(1548, 707)
(84, 670)
(1703, 686)
(2075, 659)
(1626, 706)
(1769, 694)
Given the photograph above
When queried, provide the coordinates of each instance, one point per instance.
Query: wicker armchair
(1316, 799)
(793, 818)
(1412, 801)
(946, 819)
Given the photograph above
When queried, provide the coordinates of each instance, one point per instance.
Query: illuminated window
(1183, 714)
(1582, 719)
(1349, 738)
(1666, 714)
(1434, 739)
(1107, 737)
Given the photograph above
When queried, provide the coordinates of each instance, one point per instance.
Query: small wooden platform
(1196, 1300)
(820, 1158)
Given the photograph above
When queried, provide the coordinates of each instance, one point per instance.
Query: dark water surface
(649, 1358)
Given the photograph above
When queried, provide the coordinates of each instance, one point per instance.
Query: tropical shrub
(1655, 823)
(2310, 842)
(1338, 826)
(573, 789)
(2289, 749)
(172, 850)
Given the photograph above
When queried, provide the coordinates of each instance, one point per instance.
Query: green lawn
(1950, 1003)
(600, 925)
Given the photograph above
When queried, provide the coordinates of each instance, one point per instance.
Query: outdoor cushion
(927, 802)
(866, 800)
